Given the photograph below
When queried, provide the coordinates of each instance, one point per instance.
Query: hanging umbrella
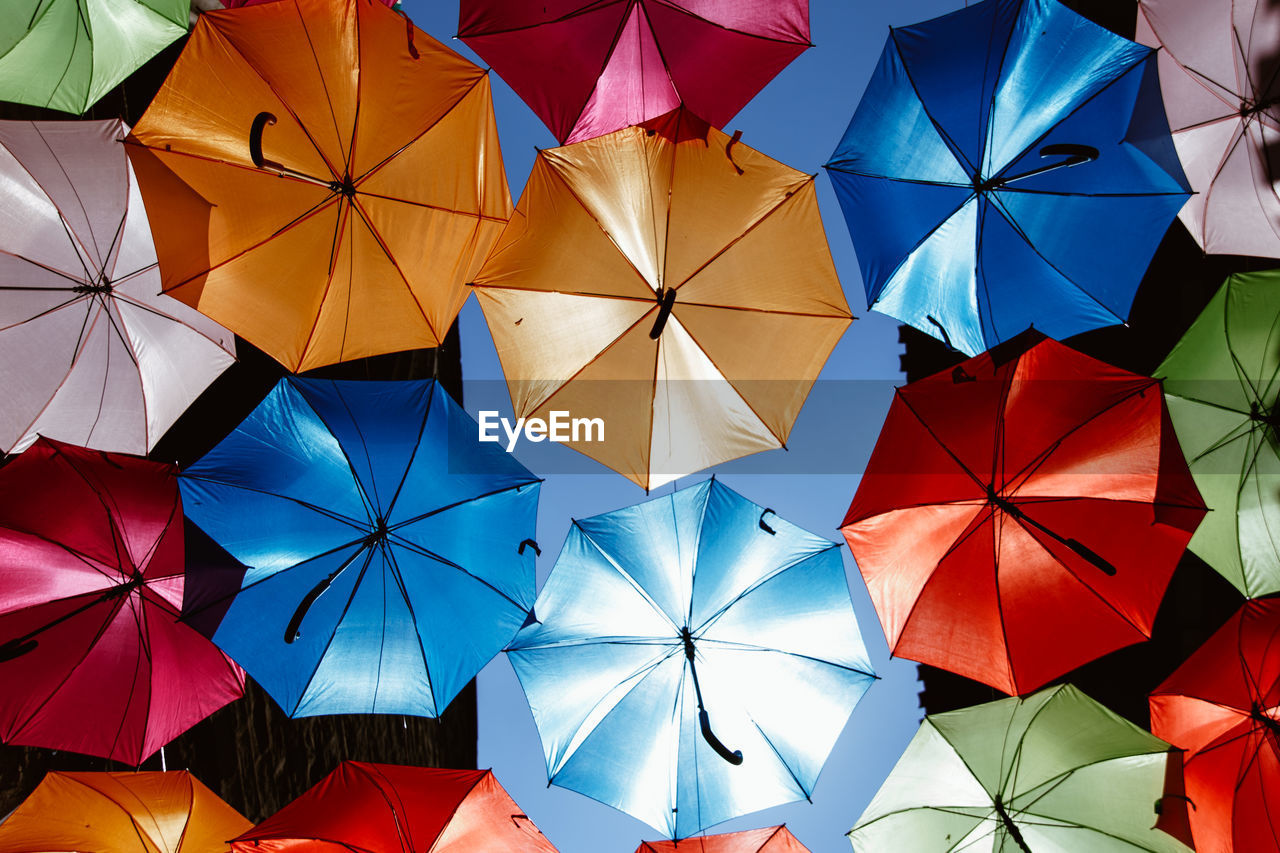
(89, 353)
(691, 658)
(66, 54)
(1022, 514)
(91, 649)
(121, 813)
(385, 808)
(1221, 385)
(659, 278)
(1218, 69)
(1009, 165)
(1223, 706)
(307, 200)
(1054, 771)
(588, 68)
(773, 839)
(389, 553)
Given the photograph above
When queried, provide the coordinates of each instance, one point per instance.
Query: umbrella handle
(260, 121)
(766, 528)
(664, 311)
(16, 648)
(291, 632)
(704, 722)
(529, 543)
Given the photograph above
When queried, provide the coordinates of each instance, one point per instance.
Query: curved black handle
(16, 648)
(766, 528)
(537, 552)
(664, 311)
(733, 757)
(260, 121)
(1075, 154)
(295, 622)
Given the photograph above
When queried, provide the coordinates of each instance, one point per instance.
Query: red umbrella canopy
(92, 654)
(1223, 706)
(1022, 514)
(590, 68)
(386, 808)
(771, 839)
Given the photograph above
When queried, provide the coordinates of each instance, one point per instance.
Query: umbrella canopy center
(345, 187)
(1270, 417)
(103, 285)
(1250, 108)
(1268, 722)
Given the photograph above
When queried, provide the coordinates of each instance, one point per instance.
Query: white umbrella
(90, 353)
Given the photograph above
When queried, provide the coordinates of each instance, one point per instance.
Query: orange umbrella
(322, 178)
(121, 813)
(671, 282)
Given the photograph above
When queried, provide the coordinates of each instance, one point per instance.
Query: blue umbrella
(1009, 165)
(695, 659)
(387, 550)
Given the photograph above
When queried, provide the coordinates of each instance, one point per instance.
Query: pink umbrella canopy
(90, 353)
(590, 68)
(1220, 74)
(92, 654)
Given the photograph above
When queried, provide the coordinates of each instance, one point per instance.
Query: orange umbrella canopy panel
(322, 178)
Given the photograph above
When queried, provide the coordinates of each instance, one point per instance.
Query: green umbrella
(1221, 384)
(1054, 771)
(66, 54)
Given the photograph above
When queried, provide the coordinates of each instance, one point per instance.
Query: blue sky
(797, 119)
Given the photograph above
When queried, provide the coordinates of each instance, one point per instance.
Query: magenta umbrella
(93, 656)
(1220, 74)
(590, 68)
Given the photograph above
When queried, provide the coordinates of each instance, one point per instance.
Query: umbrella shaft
(1011, 827)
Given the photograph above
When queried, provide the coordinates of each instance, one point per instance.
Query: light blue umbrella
(388, 550)
(1009, 165)
(692, 658)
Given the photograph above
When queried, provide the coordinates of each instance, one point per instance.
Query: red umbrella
(1223, 707)
(92, 654)
(588, 67)
(772, 839)
(1022, 514)
(385, 808)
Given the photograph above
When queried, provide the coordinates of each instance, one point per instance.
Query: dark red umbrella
(771, 839)
(1022, 514)
(386, 808)
(590, 68)
(1223, 707)
(92, 655)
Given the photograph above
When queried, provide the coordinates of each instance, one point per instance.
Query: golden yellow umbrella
(145, 812)
(322, 178)
(671, 282)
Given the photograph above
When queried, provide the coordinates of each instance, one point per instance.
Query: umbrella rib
(319, 510)
(230, 45)
(355, 587)
(752, 647)
(470, 214)
(74, 299)
(364, 217)
(164, 315)
(803, 790)
(594, 6)
(378, 166)
(46, 268)
(766, 311)
(143, 658)
(628, 578)
(952, 147)
(898, 393)
(637, 677)
(1028, 471)
(35, 127)
(445, 561)
(324, 86)
(398, 576)
(1008, 217)
(413, 454)
(759, 582)
(415, 519)
(791, 194)
(231, 595)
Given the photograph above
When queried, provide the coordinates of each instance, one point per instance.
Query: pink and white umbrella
(1220, 74)
(90, 353)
